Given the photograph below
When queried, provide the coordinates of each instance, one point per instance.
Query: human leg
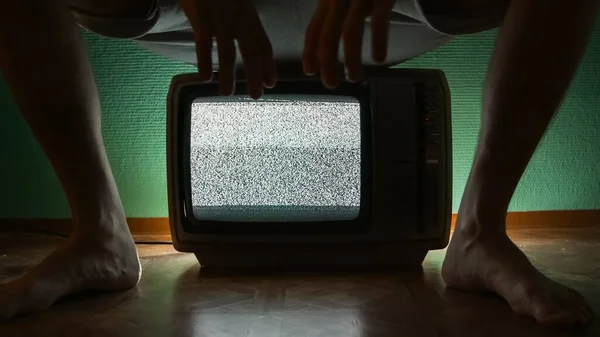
(538, 49)
(46, 67)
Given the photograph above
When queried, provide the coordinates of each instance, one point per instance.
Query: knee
(462, 7)
(112, 8)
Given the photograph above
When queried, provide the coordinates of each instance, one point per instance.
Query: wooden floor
(175, 299)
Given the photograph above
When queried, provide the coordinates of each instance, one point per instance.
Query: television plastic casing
(406, 183)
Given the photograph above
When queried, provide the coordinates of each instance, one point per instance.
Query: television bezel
(186, 95)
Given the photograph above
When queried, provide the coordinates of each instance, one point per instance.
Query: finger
(269, 73)
(380, 24)
(352, 36)
(310, 57)
(204, 44)
(251, 55)
(226, 52)
(330, 41)
(197, 14)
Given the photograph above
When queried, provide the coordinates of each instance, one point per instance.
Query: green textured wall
(565, 173)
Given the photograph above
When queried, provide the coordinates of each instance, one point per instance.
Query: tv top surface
(282, 158)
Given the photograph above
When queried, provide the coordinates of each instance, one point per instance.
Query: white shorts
(163, 28)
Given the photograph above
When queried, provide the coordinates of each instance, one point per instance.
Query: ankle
(101, 227)
(479, 224)
(482, 212)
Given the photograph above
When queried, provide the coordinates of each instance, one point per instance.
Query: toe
(24, 296)
(562, 316)
(550, 312)
(575, 296)
(558, 318)
(579, 306)
(584, 311)
(7, 308)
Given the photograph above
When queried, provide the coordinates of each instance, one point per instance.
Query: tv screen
(282, 158)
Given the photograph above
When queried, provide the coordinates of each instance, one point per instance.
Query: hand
(229, 20)
(334, 20)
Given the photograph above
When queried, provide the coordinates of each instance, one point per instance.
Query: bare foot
(495, 264)
(106, 263)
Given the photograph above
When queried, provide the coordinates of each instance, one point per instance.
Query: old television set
(310, 177)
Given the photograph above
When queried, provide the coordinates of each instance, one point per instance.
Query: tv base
(309, 257)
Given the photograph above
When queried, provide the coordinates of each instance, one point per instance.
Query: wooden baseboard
(157, 229)
(151, 230)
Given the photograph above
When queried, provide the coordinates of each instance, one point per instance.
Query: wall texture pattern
(133, 83)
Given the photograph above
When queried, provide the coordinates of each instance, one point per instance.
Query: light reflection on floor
(177, 298)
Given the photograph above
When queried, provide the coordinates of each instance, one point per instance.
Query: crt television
(311, 177)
